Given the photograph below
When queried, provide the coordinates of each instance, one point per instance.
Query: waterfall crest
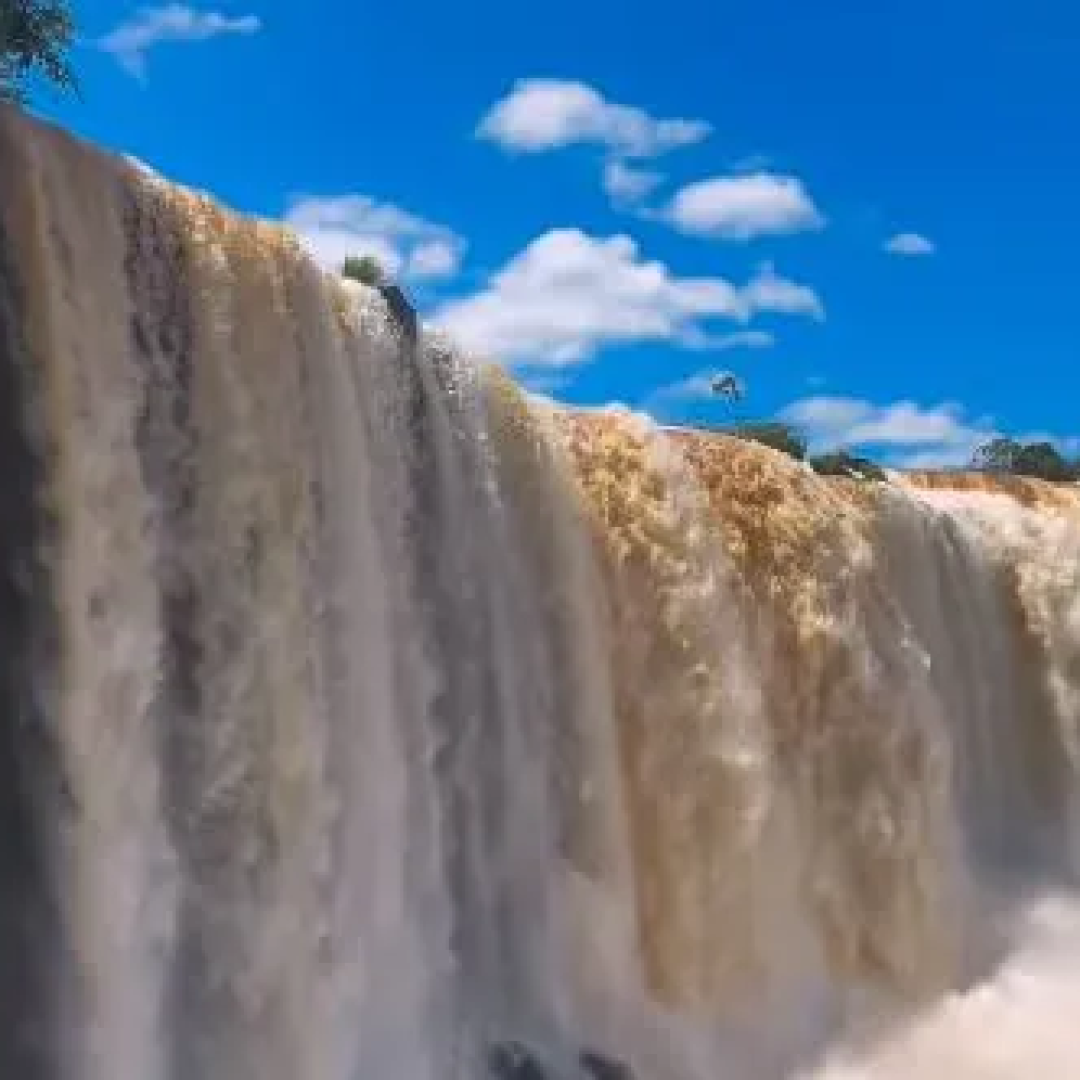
(361, 713)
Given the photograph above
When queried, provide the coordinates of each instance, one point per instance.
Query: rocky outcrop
(513, 1060)
(29, 764)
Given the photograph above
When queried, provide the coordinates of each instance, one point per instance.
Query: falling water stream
(360, 714)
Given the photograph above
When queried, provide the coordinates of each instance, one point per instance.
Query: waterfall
(362, 716)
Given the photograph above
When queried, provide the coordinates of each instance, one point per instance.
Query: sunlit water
(361, 713)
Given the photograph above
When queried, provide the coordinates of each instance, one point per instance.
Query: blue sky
(869, 211)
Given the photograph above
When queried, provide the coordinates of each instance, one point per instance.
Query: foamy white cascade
(360, 715)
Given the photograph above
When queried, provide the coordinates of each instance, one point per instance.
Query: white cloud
(434, 259)
(568, 294)
(150, 26)
(405, 245)
(910, 245)
(628, 186)
(908, 435)
(770, 292)
(915, 436)
(743, 207)
(547, 114)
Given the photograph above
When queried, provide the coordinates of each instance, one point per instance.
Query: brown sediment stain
(806, 546)
(690, 801)
(1029, 492)
(797, 552)
(751, 619)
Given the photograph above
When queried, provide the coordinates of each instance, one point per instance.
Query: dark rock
(601, 1067)
(401, 310)
(514, 1061)
(33, 782)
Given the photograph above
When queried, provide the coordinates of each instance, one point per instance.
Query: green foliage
(35, 36)
(788, 440)
(782, 437)
(1041, 460)
(841, 463)
(363, 268)
(998, 455)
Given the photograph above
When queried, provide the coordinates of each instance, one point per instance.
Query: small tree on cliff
(776, 435)
(997, 455)
(363, 268)
(1044, 460)
(35, 36)
(1041, 460)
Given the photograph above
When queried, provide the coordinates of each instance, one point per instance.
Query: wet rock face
(515, 1061)
(401, 310)
(600, 1067)
(31, 777)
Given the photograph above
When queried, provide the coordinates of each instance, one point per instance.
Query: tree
(1041, 460)
(34, 38)
(782, 437)
(997, 455)
(728, 385)
(363, 268)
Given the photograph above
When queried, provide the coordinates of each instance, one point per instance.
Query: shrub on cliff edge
(1039, 460)
(777, 436)
(363, 268)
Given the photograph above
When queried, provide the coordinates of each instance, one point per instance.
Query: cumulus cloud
(548, 114)
(768, 291)
(567, 294)
(744, 207)
(909, 435)
(432, 260)
(151, 26)
(627, 185)
(910, 245)
(404, 244)
(914, 436)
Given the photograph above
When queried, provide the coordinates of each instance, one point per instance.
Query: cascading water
(360, 716)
